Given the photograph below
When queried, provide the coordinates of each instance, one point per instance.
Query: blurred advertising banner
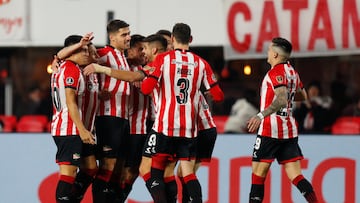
(331, 164)
(315, 27)
(14, 20)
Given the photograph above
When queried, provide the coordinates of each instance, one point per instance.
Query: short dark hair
(115, 25)
(182, 33)
(284, 44)
(157, 38)
(136, 38)
(164, 32)
(72, 39)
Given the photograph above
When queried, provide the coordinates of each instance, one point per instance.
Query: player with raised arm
(68, 87)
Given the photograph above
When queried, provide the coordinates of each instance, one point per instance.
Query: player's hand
(89, 69)
(55, 64)
(253, 124)
(86, 39)
(137, 84)
(104, 95)
(87, 137)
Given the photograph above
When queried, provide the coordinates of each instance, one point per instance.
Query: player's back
(178, 95)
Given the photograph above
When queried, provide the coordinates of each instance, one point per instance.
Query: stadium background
(230, 34)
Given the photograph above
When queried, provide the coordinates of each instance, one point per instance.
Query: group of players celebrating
(135, 106)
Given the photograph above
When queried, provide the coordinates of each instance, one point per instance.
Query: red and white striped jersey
(282, 124)
(138, 108)
(177, 96)
(68, 76)
(205, 118)
(120, 90)
(91, 103)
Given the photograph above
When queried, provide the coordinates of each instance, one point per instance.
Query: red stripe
(123, 95)
(146, 176)
(290, 128)
(257, 180)
(93, 110)
(161, 111)
(189, 178)
(297, 179)
(169, 179)
(87, 101)
(280, 127)
(172, 70)
(200, 124)
(123, 100)
(144, 114)
(182, 115)
(67, 179)
(70, 125)
(195, 90)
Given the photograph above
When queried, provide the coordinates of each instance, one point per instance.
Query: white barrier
(28, 170)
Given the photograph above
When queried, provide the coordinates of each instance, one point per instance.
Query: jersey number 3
(183, 84)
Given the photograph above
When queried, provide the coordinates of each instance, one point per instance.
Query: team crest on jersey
(279, 79)
(69, 80)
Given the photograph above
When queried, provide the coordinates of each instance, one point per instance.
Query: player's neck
(179, 46)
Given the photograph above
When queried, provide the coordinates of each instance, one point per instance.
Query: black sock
(256, 193)
(100, 190)
(115, 194)
(126, 189)
(305, 188)
(64, 189)
(257, 189)
(171, 189)
(184, 192)
(156, 186)
(82, 181)
(193, 187)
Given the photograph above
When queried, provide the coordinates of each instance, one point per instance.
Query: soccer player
(67, 128)
(111, 123)
(88, 165)
(138, 115)
(153, 45)
(175, 85)
(276, 127)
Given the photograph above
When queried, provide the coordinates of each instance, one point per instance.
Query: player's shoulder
(70, 66)
(278, 69)
(104, 50)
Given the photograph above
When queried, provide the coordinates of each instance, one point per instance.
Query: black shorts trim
(267, 149)
(68, 150)
(177, 147)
